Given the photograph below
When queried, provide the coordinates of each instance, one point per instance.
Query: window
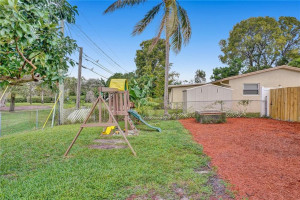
(251, 89)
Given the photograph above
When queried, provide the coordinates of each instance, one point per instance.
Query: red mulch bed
(259, 157)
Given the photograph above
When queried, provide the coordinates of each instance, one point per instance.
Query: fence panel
(285, 104)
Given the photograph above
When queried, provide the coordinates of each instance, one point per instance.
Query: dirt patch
(107, 146)
(20, 108)
(109, 141)
(259, 157)
(219, 188)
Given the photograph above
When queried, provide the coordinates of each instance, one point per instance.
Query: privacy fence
(285, 104)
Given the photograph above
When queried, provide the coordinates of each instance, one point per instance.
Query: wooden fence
(285, 104)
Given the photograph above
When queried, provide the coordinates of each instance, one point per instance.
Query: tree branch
(28, 61)
(17, 81)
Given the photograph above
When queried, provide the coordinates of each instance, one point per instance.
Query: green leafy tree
(174, 78)
(262, 42)
(70, 84)
(174, 22)
(200, 76)
(127, 76)
(233, 69)
(141, 96)
(31, 47)
(91, 85)
(152, 64)
(295, 62)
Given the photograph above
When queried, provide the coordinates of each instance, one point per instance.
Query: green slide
(136, 115)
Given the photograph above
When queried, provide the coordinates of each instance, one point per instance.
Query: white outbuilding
(207, 97)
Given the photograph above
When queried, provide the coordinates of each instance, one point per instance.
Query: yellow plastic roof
(120, 84)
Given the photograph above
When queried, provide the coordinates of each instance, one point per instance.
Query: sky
(107, 40)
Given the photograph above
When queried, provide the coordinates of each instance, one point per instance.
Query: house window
(251, 89)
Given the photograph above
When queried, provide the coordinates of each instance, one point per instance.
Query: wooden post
(100, 112)
(79, 79)
(126, 109)
(109, 105)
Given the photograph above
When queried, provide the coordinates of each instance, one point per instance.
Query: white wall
(207, 97)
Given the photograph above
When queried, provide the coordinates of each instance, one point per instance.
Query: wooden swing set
(118, 105)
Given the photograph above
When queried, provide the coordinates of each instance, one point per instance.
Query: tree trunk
(12, 102)
(166, 90)
(30, 93)
(42, 96)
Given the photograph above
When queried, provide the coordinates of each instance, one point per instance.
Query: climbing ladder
(132, 126)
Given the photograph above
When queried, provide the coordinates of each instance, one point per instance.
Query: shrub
(210, 119)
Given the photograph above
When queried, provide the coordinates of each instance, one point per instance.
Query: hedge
(47, 99)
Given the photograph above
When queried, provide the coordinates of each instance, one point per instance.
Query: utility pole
(79, 79)
(61, 85)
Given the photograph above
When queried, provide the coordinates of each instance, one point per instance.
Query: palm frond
(161, 28)
(185, 24)
(141, 25)
(172, 19)
(121, 4)
(176, 40)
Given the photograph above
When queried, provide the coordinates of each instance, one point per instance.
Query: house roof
(259, 72)
(186, 85)
(227, 88)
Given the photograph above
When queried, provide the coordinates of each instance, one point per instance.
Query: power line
(93, 61)
(90, 69)
(93, 71)
(93, 48)
(100, 48)
(93, 28)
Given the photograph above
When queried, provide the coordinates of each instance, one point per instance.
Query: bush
(39, 99)
(18, 100)
(210, 119)
(72, 99)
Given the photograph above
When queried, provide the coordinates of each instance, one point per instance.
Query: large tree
(174, 22)
(152, 64)
(262, 42)
(31, 46)
(235, 67)
(200, 76)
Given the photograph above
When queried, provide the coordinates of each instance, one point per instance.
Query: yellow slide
(108, 130)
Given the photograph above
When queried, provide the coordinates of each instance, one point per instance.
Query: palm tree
(175, 23)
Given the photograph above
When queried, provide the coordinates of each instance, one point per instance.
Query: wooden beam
(99, 125)
(78, 133)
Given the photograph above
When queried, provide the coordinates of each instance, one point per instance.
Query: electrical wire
(93, 28)
(99, 48)
(90, 69)
(93, 61)
(87, 42)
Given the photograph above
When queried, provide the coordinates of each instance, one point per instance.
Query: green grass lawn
(33, 104)
(33, 167)
(20, 121)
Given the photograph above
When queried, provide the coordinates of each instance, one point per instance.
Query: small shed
(207, 97)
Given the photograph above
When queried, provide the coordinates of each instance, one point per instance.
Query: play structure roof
(120, 84)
